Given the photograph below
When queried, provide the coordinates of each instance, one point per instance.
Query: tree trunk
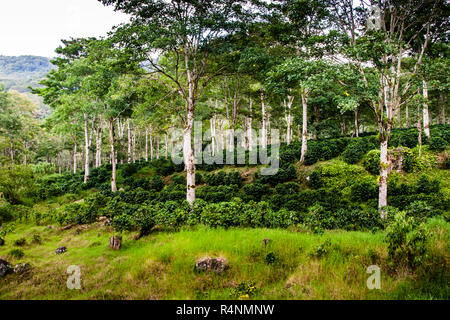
(249, 128)
(188, 153)
(263, 112)
(426, 115)
(213, 134)
(442, 98)
(86, 149)
(133, 142)
(384, 172)
(407, 115)
(129, 141)
(98, 147)
(151, 144)
(113, 156)
(356, 122)
(166, 142)
(75, 156)
(304, 124)
(11, 151)
(146, 144)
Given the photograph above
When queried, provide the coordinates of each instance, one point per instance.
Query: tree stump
(115, 242)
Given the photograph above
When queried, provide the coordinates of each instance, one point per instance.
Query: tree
(189, 32)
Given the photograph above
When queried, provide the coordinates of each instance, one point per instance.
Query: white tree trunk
(264, 129)
(86, 149)
(146, 144)
(188, 154)
(304, 124)
(384, 172)
(75, 156)
(129, 141)
(426, 115)
(113, 156)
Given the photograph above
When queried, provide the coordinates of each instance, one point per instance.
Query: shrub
(354, 152)
(287, 188)
(156, 183)
(437, 144)
(270, 258)
(16, 185)
(285, 174)
(223, 178)
(371, 162)
(16, 253)
(179, 179)
(427, 186)
(406, 241)
(363, 191)
(314, 180)
(6, 212)
(20, 242)
(255, 191)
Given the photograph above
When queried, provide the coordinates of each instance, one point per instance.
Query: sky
(35, 27)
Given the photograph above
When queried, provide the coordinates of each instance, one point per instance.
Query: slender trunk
(384, 171)
(75, 156)
(407, 115)
(98, 147)
(146, 144)
(113, 156)
(166, 141)
(11, 151)
(304, 124)
(357, 122)
(133, 142)
(157, 146)
(419, 128)
(189, 154)
(426, 115)
(151, 144)
(442, 98)
(86, 149)
(129, 141)
(263, 112)
(213, 134)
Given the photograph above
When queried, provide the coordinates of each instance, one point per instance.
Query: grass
(161, 265)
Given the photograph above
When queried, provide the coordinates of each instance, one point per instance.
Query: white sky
(35, 27)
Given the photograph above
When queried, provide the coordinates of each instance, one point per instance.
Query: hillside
(19, 72)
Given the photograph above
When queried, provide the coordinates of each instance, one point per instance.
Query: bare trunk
(98, 147)
(166, 141)
(86, 149)
(426, 115)
(151, 144)
(133, 142)
(189, 154)
(129, 141)
(304, 125)
(442, 98)
(384, 171)
(75, 156)
(113, 156)
(264, 129)
(356, 122)
(11, 151)
(213, 133)
(146, 144)
(407, 115)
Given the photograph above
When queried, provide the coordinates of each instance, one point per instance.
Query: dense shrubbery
(223, 179)
(284, 174)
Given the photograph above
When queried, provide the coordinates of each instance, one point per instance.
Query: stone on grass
(4, 268)
(217, 265)
(61, 250)
(115, 242)
(22, 268)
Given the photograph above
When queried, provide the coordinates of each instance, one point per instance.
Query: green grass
(161, 265)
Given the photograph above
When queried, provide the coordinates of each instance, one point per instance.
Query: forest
(233, 149)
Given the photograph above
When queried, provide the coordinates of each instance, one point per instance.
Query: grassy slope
(160, 266)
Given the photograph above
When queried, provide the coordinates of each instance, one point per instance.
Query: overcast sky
(35, 27)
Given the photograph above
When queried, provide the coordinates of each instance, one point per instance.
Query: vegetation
(163, 134)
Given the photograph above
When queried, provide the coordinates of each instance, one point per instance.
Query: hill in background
(19, 72)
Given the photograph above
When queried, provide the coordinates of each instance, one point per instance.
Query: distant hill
(19, 72)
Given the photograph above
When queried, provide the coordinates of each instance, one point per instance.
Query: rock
(115, 242)
(217, 265)
(61, 250)
(22, 268)
(102, 219)
(266, 242)
(4, 268)
(70, 226)
(50, 227)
